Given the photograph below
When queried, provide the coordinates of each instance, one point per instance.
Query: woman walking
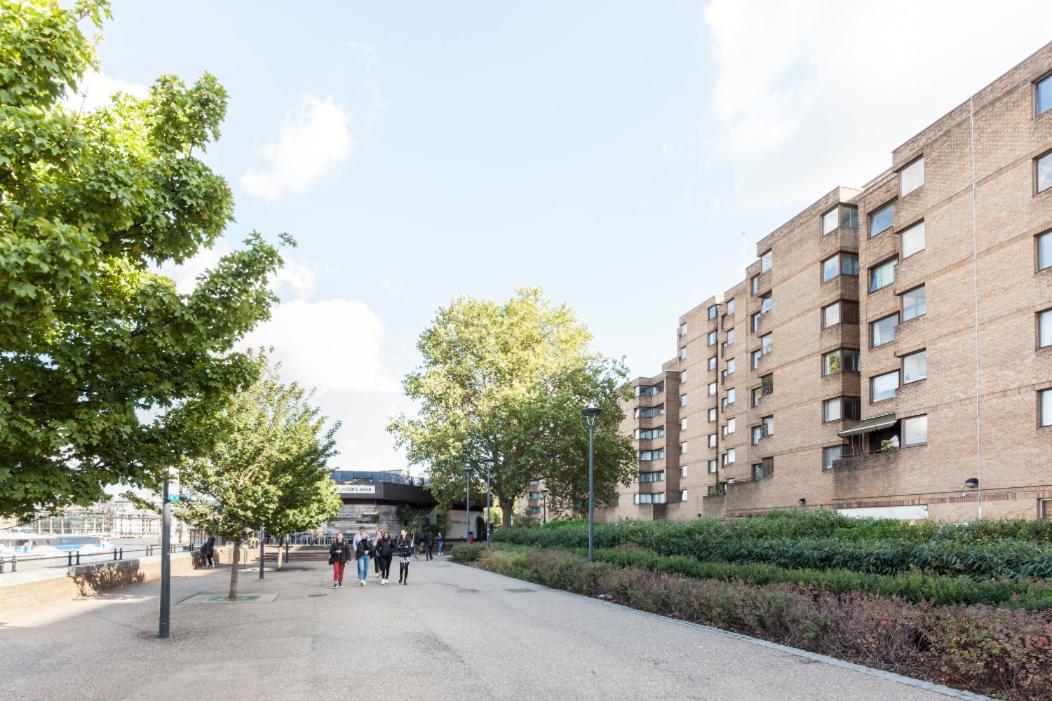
(404, 548)
(376, 560)
(385, 548)
(339, 554)
(440, 542)
(363, 551)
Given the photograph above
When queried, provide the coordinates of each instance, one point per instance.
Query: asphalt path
(453, 633)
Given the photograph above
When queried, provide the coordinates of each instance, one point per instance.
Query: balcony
(865, 459)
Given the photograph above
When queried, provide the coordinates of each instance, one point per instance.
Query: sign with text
(356, 488)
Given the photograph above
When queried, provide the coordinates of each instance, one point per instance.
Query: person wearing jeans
(363, 551)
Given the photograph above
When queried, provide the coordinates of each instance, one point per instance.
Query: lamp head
(590, 413)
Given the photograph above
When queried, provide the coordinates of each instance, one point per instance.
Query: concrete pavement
(453, 633)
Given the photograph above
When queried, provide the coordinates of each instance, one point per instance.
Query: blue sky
(612, 153)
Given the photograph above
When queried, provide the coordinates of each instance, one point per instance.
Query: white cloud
(314, 138)
(811, 94)
(96, 89)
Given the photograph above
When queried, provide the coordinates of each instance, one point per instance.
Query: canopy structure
(869, 425)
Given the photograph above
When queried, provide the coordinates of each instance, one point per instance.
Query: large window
(882, 331)
(913, 303)
(840, 264)
(880, 276)
(882, 219)
(657, 498)
(649, 434)
(830, 454)
(915, 430)
(1044, 329)
(911, 177)
(912, 240)
(649, 412)
(647, 477)
(831, 409)
(651, 455)
(1043, 95)
(831, 315)
(765, 262)
(831, 221)
(1044, 172)
(1044, 250)
(914, 367)
(841, 360)
(1045, 407)
(884, 386)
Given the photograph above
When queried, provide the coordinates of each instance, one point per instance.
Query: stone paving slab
(453, 633)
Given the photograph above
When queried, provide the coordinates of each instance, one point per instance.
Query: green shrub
(467, 553)
(991, 651)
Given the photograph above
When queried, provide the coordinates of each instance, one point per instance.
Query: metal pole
(166, 565)
(262, 535)
(467, 510)
(489, 501)
(591, 491)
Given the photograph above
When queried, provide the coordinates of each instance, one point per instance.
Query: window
(651, 455)
(712, 389)
(657, 498)
(831, 409)
(842, 360)
(754, 284)
(912, 240)
(712, 467)
(649, 412)
(767, 425)
(831, 315)
(683, 400)
(1044, 329)
(712, 338)
(712, 363)
(534, 509)
(880, 276)
(830, 454)
(882, 219)
(1045, 400)
(845, 216)
(683, 329)
(683, 471)
(831, 221)
(730, 307)
(756, 318)
(884, 386)
(682, 424)
(1044, 250)
(757, 434)
(683, 447)
(683, 376)
(913, 303)
(648, 477)
(683, 353)
(766, 303)
(534, 496)
(765, 262)
(712, 414)
(712, 440)
(1043, 94)
(729, 428)
(728, 457)
(882, 331)
(763, 469)
(713, 310)
(730, 398)
(767, 343)
(649, 434)
(915, 430)
(757, 396)
(911, 177)
(731, 366)
(756, 355)
(914, 367)
(649, 390)
(840, 264)
(767, 384)
(853, 408)
(730, 337)
(1044, 172)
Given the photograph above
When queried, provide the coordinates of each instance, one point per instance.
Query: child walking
(404, 548)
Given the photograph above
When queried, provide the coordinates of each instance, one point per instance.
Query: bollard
(69, 559)
(115, 554)
(121, 551)
(78, 557)
(14, 564)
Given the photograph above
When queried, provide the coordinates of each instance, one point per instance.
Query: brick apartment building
(890, 346)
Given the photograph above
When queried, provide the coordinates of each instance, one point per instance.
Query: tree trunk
(281, 550)
(234, 562)
(506, 506)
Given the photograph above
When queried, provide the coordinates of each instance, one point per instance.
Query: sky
(623, 156)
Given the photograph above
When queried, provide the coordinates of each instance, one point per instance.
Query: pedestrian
(429, 543)
(404, 548)
(412, 545)
(339, 554)
(376, 561)
(363, 550)
(208, 551)
(385, 549)
(440, 541)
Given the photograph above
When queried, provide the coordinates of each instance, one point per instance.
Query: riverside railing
(10, 563)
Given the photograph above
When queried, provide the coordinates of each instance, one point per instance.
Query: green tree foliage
(506, 382)
(269, 468)
(92, 339)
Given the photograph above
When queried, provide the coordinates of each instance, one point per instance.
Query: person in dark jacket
(429, 543)
(363, 551)
(385, 548)
(339, 554)
(404, 549)
(208, 551)
(376, 560)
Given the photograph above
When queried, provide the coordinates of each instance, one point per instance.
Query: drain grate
(311, 596)
(222, 599)
(520, 591)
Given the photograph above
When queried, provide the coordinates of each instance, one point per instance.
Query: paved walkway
(453, 633)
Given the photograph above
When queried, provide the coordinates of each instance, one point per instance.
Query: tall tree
(270, 467)
(106, 370)
(504, 384)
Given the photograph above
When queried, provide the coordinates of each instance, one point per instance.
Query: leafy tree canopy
(504, 384)
(106, 371)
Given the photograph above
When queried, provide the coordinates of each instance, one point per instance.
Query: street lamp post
(262, 551)
(590, 413)
(489, 499)
(544, 504)
(467, 504)
(166, 564)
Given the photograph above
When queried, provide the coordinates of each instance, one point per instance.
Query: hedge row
(985, 650)
(809, 541)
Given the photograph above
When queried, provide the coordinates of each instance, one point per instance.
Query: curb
(813, 656)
